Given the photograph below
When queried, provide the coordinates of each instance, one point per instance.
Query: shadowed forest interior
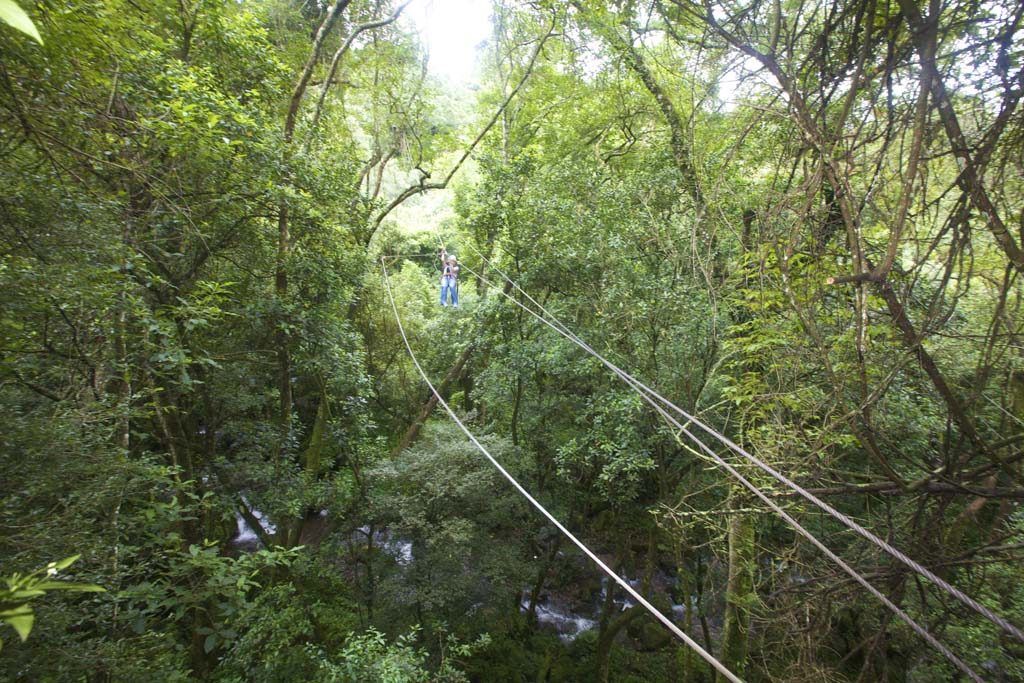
(739, 304)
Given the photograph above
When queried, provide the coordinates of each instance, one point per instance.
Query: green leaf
(16, 17)
(67, 561)
(75, 587)
(20, 619)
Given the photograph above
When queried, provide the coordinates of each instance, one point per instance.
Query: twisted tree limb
(422, 186)
(361, 28)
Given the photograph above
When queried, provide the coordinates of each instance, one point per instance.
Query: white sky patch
(452, 30)
(741, 79)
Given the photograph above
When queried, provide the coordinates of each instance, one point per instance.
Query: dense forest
(740, 305)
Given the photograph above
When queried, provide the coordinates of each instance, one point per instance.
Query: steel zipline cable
(650, 396)
(768, 469)
(679, 633)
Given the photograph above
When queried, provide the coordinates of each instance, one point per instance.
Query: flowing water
(246, 537)
(568, 625)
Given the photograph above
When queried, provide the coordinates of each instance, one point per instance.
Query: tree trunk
(739, 596)
(687, 658)
(538, 586)
(610, 627)
(281, 336)
(123, 429)
(414, 429)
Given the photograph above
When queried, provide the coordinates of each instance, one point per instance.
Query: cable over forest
(451, 340)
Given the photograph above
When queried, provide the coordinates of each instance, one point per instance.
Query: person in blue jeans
(449, 279)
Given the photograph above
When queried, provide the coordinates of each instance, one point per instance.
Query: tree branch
(891, 487)
(361, 28)
(333, 14)
(421, 186)
(923, 29)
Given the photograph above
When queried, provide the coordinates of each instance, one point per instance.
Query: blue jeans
(449, 284)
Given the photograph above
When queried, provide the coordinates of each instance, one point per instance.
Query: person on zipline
(449, 278)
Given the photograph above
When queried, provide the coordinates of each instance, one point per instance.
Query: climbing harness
(448, 271)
